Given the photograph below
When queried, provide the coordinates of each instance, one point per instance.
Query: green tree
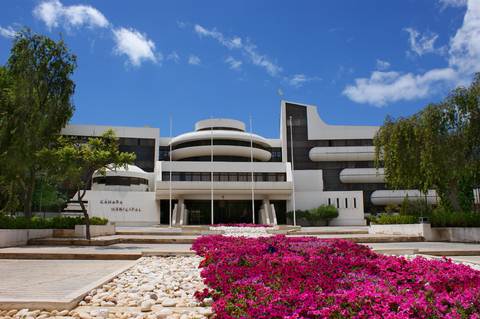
(437, 148)
(75, 163)
(35, 104)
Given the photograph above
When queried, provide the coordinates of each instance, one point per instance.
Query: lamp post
(251, 170)
(212, 220)
(170, 178)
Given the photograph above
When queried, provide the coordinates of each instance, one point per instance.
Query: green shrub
(60, 222)
(395, 219)
(323, 212)
(415, 208)
(442, 217)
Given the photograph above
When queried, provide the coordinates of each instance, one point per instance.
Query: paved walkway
(53, 281)
(117, 251)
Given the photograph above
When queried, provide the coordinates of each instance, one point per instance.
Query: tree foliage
(35, 104)
(75, 162)
(436, 148)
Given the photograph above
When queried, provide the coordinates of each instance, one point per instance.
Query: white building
(205, 176)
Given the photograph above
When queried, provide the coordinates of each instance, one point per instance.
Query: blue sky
(140, 62)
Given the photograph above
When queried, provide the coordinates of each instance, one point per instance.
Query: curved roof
(219, 123)
(132, 170)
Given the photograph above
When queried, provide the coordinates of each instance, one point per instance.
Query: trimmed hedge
(395, 219)
(444, 218)
(8, 222)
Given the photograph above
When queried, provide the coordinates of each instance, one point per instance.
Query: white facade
(185, 176)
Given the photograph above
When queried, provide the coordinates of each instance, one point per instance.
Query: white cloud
(299, 80)
(173, 56)
(463, 61)
(385, 87)
(135, 45)
(382, 65)
(194, 60)
(248, 49)
(453, 3)
(7, 32)
(233, 63)
(261, 60)
(464, 53)
(232, 43)
(53, 13)
(421, 44)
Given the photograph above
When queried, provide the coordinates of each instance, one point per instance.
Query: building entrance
(225, 211)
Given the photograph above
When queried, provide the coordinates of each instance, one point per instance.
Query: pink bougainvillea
(306, 277)
(240, 225)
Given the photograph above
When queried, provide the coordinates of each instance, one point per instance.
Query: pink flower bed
(280, 277)
(240, 225)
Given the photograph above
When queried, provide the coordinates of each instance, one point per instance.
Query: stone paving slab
(53, 284)
(118, 251)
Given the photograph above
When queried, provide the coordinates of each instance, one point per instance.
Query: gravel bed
(154, 288)
(242, 231)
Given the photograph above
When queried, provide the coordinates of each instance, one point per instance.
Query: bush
(442, 217)
(9, 222)
(395, 219)
(323, 212)
(415, 208)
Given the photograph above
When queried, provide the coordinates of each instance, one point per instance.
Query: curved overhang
(362, 175)
(216, 123)
(219, 135)
(396, 197)
(342, 153)
(130, 171)
(221, 150)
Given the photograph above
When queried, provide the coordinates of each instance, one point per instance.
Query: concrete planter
(451, 234)
(20, 237)
(64, 233)
(423, 230)
(457, 234)
(95, 230)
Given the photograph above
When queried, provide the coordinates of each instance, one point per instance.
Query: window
(346, 202)
(338, 202)
(354, 202)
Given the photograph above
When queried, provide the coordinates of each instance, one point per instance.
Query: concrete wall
(401, 229)
(124, 208)
(457, 234)
(309, 194)
(95, 230)
(20, 237)
(451, 234)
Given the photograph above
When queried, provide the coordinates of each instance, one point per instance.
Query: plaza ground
(56, 276)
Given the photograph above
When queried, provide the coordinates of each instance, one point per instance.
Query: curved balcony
(342, 153)
(362, 175)
(396, 197)
(208, 135)
(221, 150)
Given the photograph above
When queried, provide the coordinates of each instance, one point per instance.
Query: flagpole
(170, 178)
(211, 175)
(293, 181)
(251, 169)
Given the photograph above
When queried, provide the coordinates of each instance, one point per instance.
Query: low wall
(457, 234)
(401, 229)
(95, 230)
(20, 237)
(451, 234)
